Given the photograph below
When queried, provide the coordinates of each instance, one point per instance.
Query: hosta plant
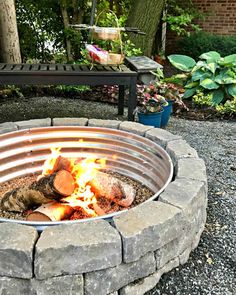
(212, 74)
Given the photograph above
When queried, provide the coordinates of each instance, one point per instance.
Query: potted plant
(172, 95)
(151, 109)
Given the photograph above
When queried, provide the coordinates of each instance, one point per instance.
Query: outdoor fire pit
(125, 249)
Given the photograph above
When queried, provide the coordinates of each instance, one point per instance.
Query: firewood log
(21, 199)
(113, 189)
(52, 211)
(61, 164)
(56, 185)
(104, 206)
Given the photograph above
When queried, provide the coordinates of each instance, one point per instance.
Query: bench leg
(121, 99)
(132, 102)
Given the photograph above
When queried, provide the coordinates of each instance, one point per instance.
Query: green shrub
(212, 74)
(201, 42)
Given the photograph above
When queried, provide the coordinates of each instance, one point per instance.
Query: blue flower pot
(152, 119)
(166, 113)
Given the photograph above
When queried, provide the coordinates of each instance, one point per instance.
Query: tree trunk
(66, 23)
(145, 15)
(9, 39)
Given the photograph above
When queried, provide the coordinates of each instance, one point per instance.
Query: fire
(50, 162)
(83, 171)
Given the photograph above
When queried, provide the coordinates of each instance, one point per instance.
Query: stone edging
(96, 257)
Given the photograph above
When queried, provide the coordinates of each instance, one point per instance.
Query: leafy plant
(228, 108)
(198, 43)
(180, 16)
(152, 101)
(212, 75)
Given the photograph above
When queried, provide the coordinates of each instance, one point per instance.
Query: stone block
(190, 197)
(148, 227)
(191, 168)
(161, 136)
(7, 127)
(183, 257)
(13, 286)
(112, 279)
(114, 124)
(179, 149)
(77, 248)
(185, 194)
(69, 121)
(66, 285)
(33, 123)
(196, 238)
(134, 127)
(144, 285)
(141, 286)
(16, 250)
(168, 252)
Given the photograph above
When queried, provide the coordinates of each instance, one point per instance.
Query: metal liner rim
(131, 139)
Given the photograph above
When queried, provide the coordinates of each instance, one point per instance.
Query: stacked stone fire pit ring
(128, 253)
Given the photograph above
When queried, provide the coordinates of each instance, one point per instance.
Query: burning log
(104, 206)
(52, 211)
(61, 163)
(21, 199)
(56, 185)
(113, 189)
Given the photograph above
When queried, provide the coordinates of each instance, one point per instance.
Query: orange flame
(50, 161)
(83, 171)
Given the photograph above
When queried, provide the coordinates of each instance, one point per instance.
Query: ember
(70, 189)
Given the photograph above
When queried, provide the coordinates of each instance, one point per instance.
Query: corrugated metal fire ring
(23, 152)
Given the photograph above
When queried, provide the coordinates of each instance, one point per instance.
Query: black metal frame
(66, 74)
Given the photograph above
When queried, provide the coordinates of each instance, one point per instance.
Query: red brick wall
(220, 19)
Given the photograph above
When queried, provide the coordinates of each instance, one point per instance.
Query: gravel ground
(211, 267)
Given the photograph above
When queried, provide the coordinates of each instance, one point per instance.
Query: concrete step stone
(33, 123)
(8, 127)
(77, 248)
(147, 228)
(179, 149)
(65, 285)
(191, 168)
(112, 279)
(161, 136)
(16, 250)
(113, 124)
(134, 127)
(70, 121)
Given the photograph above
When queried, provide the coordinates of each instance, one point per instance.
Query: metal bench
(67, 74)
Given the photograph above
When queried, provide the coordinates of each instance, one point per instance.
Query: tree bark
(9, 39)
(21, 199)
(145, 15)
(66, 23)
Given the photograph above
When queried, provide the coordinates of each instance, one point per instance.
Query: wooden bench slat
(43, 68)
(52, 67)
(26, 67)
(76, 67)
(35, 67)
(60, 67)
(17, 67)
(8, 67)
(85, 68)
